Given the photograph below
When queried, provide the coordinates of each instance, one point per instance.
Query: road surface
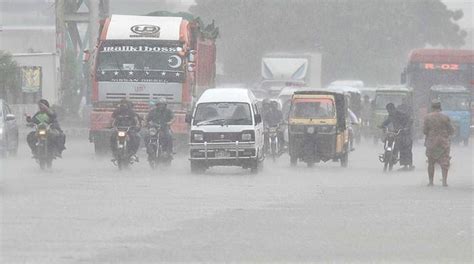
(85, 211)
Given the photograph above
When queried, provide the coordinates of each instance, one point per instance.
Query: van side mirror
(10, 117)
(258, 119)
(188, 118)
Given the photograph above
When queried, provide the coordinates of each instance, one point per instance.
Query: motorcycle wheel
(345, 159)
(274, 151)
(387, 159)
(122, 163)
(42, 164)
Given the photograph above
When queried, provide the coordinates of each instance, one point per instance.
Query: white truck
(290, 69)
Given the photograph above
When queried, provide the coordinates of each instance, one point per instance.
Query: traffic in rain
(256, 131)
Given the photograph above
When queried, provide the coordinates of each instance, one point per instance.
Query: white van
(226, 130)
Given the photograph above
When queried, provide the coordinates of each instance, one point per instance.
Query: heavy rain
(248, 131)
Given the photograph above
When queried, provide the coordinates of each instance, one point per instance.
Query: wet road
(85, 211)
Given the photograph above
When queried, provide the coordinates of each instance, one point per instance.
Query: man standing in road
(437, 128)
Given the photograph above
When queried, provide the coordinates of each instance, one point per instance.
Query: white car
(226, 130)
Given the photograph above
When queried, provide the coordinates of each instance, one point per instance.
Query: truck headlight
(310, 130)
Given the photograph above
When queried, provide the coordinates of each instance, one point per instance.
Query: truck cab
(226, 130)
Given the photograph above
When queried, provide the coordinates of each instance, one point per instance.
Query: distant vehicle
(281, 70)
(318, 127)
(395, 94)
(455, 103)
(145, 58)
(351, 83)
(369, 91)
(8, 131)
(354, 103)
(429, 67)
(226, 130)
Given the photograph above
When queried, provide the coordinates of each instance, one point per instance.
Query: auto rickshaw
(318, 128)
(455, 103)
(400, 96)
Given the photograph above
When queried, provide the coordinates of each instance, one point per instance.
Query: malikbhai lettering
(140, 49)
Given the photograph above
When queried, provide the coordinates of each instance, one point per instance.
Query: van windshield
(223, 114)
(310, 108)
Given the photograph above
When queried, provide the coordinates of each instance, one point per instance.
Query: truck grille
(222, 137)
(139, 96)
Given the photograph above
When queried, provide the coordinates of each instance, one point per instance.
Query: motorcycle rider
(125, 116)
(164, 117)
(273, 117)
(47, 116)
(401, 121)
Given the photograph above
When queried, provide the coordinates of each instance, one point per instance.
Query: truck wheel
(99, 147)
(256, 166)
(197, 167)
(293, 160)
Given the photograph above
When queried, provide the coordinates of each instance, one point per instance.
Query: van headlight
(197, 136)
(310, 130)
(248, 136)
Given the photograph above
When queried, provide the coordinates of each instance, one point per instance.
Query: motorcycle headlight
(310, 130)
(198, 137)
(42, 132)
(153, 131)
(122, 133)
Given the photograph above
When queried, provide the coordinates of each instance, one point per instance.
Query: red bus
(429, 67)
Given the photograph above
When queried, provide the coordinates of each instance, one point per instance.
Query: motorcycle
(155, 148)
(273, 147)
(123, 158)
(390, 155)
(44, 149)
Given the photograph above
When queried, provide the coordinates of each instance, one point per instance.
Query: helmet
(44, 101)
(161, 101)
(390, 106)
(436, 104)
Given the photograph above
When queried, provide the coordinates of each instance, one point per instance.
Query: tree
(8, 75)
(365, 39)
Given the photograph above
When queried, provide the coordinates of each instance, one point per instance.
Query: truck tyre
(197, 167)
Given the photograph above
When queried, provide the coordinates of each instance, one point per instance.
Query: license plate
(222, 154)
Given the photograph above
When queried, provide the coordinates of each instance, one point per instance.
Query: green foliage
(368, 40)
(8, 74)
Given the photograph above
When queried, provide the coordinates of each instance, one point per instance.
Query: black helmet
(436, 104)
(44, 101)
(390, 106)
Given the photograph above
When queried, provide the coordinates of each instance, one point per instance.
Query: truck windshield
(223, 114)
(454, 102)
(321, 108)
(381, 100)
